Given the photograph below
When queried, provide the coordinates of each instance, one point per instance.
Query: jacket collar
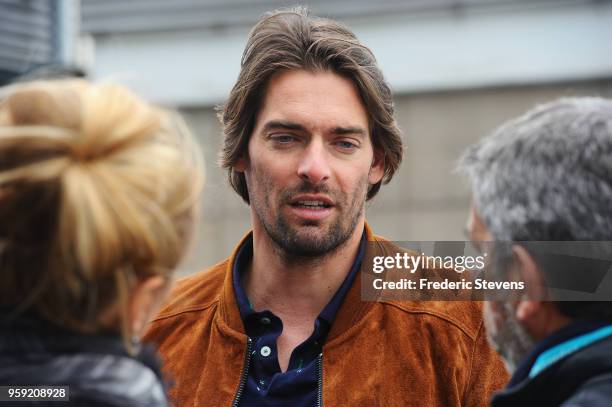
(563, 335)
(560, 380)
(351, 310)
(29, 335)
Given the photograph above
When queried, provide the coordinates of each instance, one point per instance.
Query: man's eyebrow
(288, 125)
(283, 125)
(340, 131)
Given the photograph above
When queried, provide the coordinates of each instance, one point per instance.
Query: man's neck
(297, 290)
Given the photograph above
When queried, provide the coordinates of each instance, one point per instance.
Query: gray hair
(546, 175)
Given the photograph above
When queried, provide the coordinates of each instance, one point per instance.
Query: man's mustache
(306, 187)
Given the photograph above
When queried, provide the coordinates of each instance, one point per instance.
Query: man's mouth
(313, 207)
(311, 204)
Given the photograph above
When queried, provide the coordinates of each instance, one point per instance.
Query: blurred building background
(38, 36)
(458, 69)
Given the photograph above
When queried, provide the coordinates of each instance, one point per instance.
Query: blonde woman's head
(98, 193)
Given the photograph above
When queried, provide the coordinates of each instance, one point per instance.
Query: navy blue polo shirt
(266, 384)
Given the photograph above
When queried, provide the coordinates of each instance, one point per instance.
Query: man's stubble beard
(294, 245)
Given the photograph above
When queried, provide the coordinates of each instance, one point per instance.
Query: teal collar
(568, 347)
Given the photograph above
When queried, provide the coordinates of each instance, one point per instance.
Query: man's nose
(314, 164)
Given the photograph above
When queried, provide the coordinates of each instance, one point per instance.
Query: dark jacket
(582, 379)
(97, 368)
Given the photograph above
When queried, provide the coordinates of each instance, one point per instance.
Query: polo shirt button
(266, 321)
(265, 351)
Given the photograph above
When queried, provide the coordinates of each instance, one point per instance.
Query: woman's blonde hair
(97, 190)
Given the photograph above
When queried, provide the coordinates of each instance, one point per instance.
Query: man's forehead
(304, 98)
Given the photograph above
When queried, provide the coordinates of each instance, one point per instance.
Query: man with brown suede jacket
(309, 138)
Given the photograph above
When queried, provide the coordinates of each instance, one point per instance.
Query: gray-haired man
(547, 176)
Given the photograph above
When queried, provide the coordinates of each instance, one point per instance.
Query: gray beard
(510, 339)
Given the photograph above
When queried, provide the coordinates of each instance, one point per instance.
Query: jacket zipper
(245, 373)
(320, 381)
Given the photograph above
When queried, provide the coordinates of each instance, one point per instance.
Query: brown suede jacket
(387, 353)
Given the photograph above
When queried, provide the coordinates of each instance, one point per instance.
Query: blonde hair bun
(97, 188)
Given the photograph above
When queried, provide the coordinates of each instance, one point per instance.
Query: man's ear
(377, 169)
(535, 311)
(526, 269)
(241, 164)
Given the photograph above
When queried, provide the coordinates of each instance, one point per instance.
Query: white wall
(441, 50)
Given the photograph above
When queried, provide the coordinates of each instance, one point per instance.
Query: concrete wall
(459, 69)
(446, 48)
(425, 201)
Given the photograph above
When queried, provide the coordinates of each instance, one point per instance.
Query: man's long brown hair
(294, 40)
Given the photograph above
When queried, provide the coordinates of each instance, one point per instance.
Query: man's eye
(283, 138)
(346, 145)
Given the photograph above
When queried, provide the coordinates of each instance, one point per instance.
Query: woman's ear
(146, 299)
